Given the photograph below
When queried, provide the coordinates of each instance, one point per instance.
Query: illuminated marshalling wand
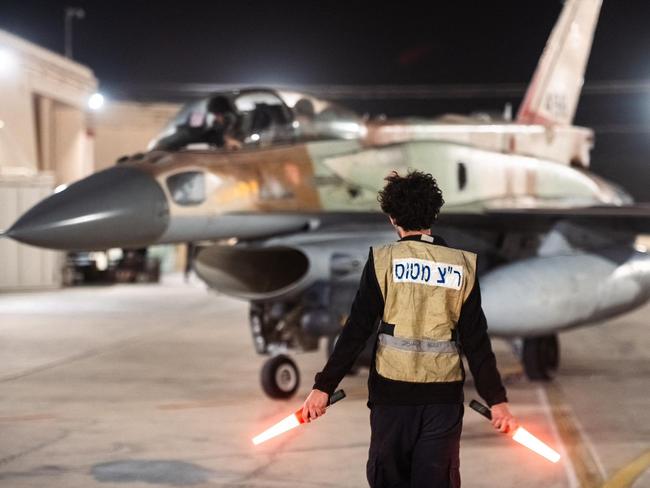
(521, 435)
(292, 421)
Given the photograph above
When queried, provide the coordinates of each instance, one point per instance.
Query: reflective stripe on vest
(417, 345)
(424, 287)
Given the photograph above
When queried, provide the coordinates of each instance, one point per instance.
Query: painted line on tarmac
(627, 475)
(587, 468)
(88, 354)
(111, 347)
(566, 460)
(27, 418)
(590, 445)
(42, 445)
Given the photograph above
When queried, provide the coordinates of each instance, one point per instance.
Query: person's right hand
(315, 405)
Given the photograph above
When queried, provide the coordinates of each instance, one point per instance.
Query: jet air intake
(253, 273)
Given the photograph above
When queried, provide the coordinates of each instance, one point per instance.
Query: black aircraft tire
(541, 357)
(553, 351)
(280, 377)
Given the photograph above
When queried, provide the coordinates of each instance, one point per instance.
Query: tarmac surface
(158, 385)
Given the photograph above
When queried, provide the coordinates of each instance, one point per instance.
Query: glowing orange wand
(292, 421)
(521, 435)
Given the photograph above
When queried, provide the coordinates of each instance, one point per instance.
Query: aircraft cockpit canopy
(316, 119)
(256, 118)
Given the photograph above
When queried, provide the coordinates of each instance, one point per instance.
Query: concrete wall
(124, 128)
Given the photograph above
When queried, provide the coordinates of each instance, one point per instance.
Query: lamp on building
(96, 101)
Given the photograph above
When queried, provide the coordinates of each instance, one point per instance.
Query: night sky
(134, 46)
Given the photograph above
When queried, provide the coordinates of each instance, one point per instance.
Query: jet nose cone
(117, 207)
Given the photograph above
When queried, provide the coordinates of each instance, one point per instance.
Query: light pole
(71, 13)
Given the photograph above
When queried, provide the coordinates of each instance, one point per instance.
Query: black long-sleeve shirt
(368, 307)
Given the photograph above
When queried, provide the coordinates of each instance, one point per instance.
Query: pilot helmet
(219, 105)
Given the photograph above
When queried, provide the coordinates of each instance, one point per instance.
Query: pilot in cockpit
(304, 114)
(221, 127)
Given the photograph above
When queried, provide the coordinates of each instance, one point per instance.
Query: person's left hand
(502, 419)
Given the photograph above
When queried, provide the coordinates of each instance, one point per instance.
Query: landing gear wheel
(280, 377)
(331, 343)
(541, 357)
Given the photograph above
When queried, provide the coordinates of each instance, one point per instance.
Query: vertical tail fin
(552, 96)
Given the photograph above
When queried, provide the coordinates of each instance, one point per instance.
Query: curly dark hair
(413, 201)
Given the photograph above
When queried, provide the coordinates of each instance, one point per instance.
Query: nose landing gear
(280, 377)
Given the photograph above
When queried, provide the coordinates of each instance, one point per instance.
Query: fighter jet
(279, 190)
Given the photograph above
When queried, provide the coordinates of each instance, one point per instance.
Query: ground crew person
(428, 299)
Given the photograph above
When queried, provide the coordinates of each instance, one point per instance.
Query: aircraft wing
(627, 218)
(630, 218)
(634, 219)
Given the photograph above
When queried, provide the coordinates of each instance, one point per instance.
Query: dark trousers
(415, 446)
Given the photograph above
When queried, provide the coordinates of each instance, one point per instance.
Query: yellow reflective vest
(424, 287)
